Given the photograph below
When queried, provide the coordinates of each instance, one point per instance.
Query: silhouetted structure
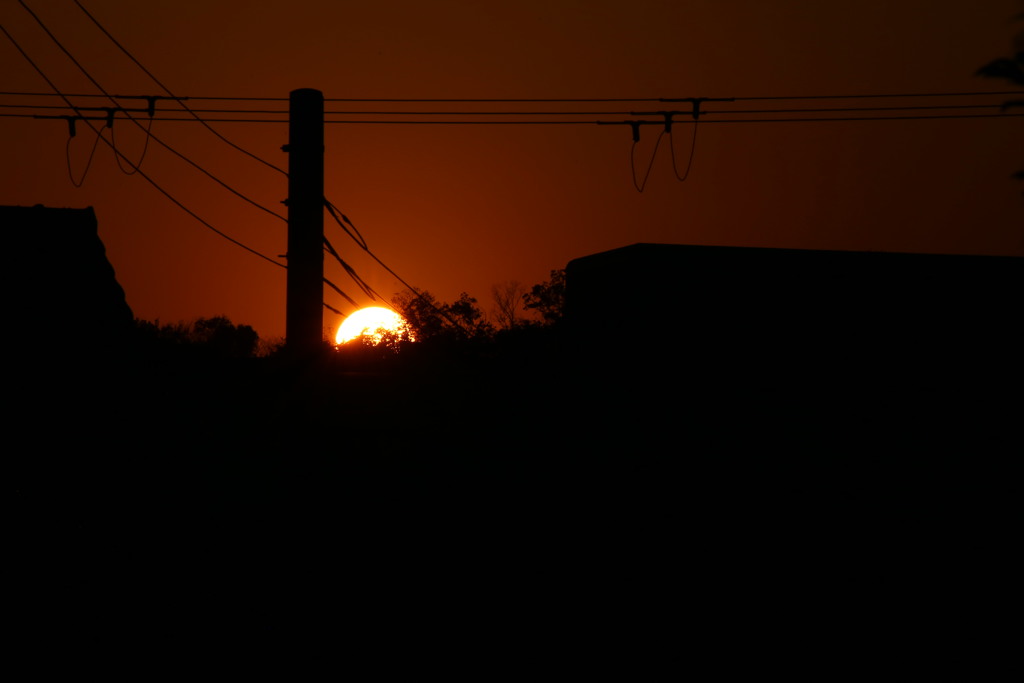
(61, 293)
(304, 318)
(789, 310)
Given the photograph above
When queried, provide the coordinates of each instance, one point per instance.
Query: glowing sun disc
(370, 322)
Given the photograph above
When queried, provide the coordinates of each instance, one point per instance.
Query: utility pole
(304, 318)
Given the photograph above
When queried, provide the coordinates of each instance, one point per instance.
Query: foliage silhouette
(508, 302)
(548, 298)
(215, 337)
(431, 319)
(374, 349)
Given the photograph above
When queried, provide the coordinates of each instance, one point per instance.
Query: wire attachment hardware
(71, 124)
(635, 125)
(668, 120)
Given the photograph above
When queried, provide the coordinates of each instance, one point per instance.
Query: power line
(689, 163)
(632, 160)
(369, 291)
(145, 147)
(353, 232)
(664, 99)
(587, 122)
(346, 225)
(554, 100)
(592, 122)
(141, 173)
(824, 118)
(341, 219)
(866, 118)
(495, 100)
(84, 95)
(282, 112)
(527, 117)
(88, 164)
(418, 122)
(358, 238)
(365, 287)
(147, 129)
(239, 99)
(926, 107)
(329, 248)
(875, 96)
(168, 91)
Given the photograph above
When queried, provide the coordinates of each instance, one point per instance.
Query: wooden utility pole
(304, 318)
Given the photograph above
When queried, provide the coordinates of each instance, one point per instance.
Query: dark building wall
(801, 307)
(60, 289)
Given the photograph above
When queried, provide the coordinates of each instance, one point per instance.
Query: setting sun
(372, 322)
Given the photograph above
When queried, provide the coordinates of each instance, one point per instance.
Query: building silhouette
(61, 292)
(806, 312)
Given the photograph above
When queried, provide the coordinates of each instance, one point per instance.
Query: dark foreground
(523, 508)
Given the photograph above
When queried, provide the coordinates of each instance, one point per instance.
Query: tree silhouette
(224, 338)
(467, 314)
(431, 319)
(508, 301)
(215, 337)
(548, 298)
(423, 312)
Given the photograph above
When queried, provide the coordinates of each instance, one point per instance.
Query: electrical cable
(329, 248)
(339, 217)
(369, 291)
(358, 239)
(283, 112)
(168, 91)
(195, 165)
(826, 119)
(520, 114)
(67, 154)
(194, 215)
(563, 100)
(886, 96)
(353, 233)
(338, 290)
(823, 119)
(118, 156)
(689, 162)
(632, 164)
(494, 100)
(110, 115)
(32, 106)
(803, 110)
(344, 112)
(141, 173)
(342, 220)
(145, 146)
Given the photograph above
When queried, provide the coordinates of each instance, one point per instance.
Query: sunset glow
(846, 130)
(372, 323)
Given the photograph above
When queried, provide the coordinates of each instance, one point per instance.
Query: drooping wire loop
(67, 153)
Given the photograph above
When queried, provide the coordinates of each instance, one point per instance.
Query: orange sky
(459, 208)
